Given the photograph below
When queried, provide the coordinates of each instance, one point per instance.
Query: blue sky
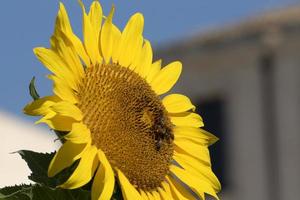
(29, 23)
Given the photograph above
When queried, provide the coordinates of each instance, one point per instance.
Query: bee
(158, 144)
(163, 132)
(159, 125)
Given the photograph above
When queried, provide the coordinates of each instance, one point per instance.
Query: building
(18, 135)
(245, 79)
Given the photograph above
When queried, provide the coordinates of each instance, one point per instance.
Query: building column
(246, 131)
(287, 86)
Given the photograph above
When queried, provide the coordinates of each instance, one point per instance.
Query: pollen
(128, 123)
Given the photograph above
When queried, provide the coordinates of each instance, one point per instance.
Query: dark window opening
(212, 112)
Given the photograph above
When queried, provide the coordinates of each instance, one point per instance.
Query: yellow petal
(150, 196)
(62, 20)
(95, 16)
(67, 109)
(199, 170)
(104, 181)
(129, 40)
(143, 195)
(197, 151)
(164, 195)
(211, 139)
(49, 115)
(196, 140)
(128, 190)
(89, 38)
(56, 65)
(165, 185)
(65, 157)
(107, 39)
(145, 62)
(52, 61)
(116, 34)
(137, 55)
(58, 122)
(177, 103)
(63, 47)
(190, 158)
(79, 134)
(154, 69)
(40, 106)
(197, 185)
(63, 24)
(188, 119)
(84, 171)
(156, 195)
(62, 90)
(197, 134)
(166, 78)
(179, 192)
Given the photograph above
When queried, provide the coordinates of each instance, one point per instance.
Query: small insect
(158, 144)
(163, 132)
(160, 126)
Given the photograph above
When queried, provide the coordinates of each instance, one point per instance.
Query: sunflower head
(127, 121)
(106, 98)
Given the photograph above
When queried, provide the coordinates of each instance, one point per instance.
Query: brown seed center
(128, 122)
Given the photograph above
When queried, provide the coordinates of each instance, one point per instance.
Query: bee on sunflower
(107, 99)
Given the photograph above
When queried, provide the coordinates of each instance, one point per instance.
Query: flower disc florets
(128, 122)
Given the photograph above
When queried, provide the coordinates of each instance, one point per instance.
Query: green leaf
(38, 164)
(46, 193)
(39, 192)
(16, 192)
(32, 90)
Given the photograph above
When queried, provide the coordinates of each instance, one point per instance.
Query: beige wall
(17, 135)
(288, 116)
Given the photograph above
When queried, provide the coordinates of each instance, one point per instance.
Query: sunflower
(106, 98)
